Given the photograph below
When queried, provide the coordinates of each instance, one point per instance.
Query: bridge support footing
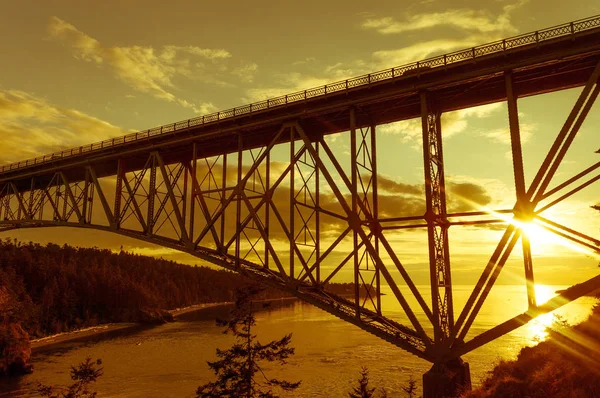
(447, 380)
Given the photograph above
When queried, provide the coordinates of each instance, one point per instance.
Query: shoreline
(107, 330)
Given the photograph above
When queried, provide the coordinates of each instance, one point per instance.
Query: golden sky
(75, 73)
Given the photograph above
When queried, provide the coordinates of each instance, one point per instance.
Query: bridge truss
(264, 194)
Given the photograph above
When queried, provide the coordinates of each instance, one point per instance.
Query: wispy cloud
(463, 19)
(143, 68)
(388, 58)
(285, 84)
(30, 126)
(502, 135)
(246, 72)
(476, 26)
(453, 123)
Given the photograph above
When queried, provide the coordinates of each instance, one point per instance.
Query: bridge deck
(543, 65)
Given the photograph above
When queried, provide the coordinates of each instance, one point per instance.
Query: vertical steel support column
(267, 203)
(317, 218)
(57, 195)
(523, 210)
(222, 201)
(184, 201)
(31, 198)
(193, 193)
(151, 195)
(86, 192)
(354, 194)
(437, 224)
(375, 212)
(64, 197)
(238, 207)
(119, 191)
(292, 200)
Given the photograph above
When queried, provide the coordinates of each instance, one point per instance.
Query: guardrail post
(188, 123)
(326, 89)
(250, 108)
(503, 44)
(572, 28)
(346, 84)
(304, 94)
(369, 78)
(268, 103)
(473, 52)
(161, 127)
(218, 115)
(286, 98)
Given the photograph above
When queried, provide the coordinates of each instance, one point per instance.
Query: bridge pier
(446, 380)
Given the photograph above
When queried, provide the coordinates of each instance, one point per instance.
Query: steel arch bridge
(209, 187)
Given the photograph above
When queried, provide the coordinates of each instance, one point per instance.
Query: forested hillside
(59, 288)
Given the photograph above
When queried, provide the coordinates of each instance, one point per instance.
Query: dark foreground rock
(15, 350)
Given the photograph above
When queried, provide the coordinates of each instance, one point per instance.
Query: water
(170, 360)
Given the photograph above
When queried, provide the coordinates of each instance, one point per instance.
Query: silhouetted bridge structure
(257, 189)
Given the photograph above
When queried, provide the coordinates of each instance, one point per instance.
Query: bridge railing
(570, 28)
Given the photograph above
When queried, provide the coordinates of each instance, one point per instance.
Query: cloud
(143, 68)
(394, 187)
(388, 58)
(246, 72)
(30, 126)
(466, 196)
(453, 123)
(463, 19)
(502, 135)
(285, 83)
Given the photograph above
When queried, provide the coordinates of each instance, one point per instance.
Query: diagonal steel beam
(490, 283)
(354, 222)
(323, 256)
(566, 195)
(265, 199)
(199, 197)
(136, 206)
(554, 157)
(570, 294)
(508, 234)
(242, 182)
(380, 236)
(75, 205)
(264, 235)
(171, 194)
(294, 248)
(570, 181)
(105, 205)
(20, 201)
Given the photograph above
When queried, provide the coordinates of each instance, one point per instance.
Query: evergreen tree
(83, 375)
(363, 390)
(238, 369)
(410, 388)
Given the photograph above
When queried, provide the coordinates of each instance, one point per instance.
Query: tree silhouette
(410, 388)
(83, 375)
(238, 367)
(363, 390)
